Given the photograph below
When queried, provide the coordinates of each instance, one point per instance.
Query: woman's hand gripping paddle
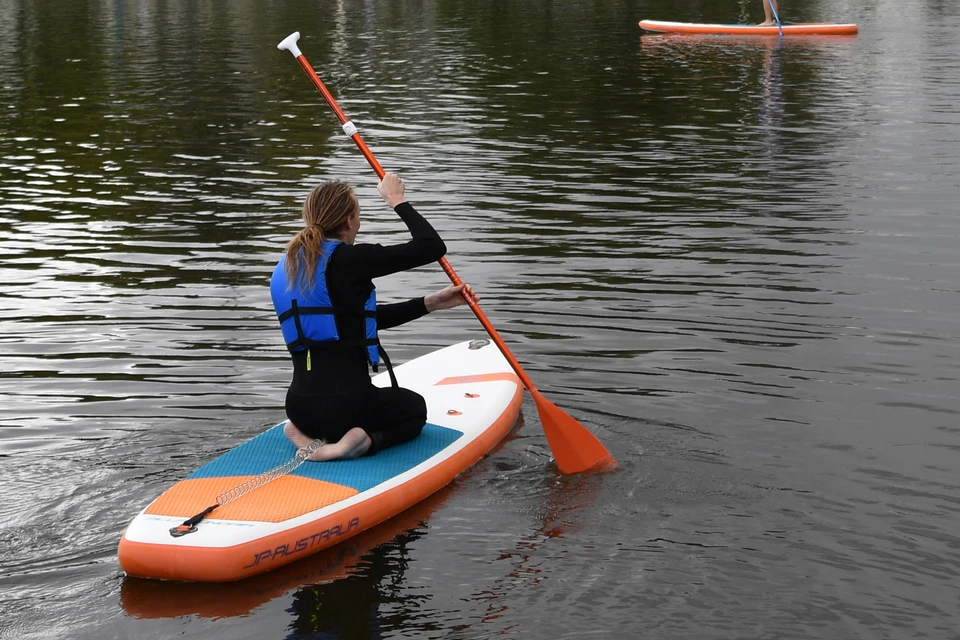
(575, 449)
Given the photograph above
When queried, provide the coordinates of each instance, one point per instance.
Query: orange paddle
(574, 448)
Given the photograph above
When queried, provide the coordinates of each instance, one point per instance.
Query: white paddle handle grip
(290, 44)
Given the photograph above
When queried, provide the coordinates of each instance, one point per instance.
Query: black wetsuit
(337, 393)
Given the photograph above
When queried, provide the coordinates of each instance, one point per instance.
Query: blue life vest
(308, 318)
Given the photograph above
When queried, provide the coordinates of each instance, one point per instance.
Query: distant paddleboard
(826, 28)
(473, 400)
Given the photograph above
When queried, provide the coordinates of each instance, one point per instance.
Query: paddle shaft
(776, 16)
(365, 150)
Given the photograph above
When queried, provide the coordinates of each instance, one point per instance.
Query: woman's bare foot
(768, 23)
(297, 437)
(353, 444)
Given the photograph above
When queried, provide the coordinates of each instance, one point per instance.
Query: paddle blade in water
(575, 449)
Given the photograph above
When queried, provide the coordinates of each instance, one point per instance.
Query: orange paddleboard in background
(825, 28)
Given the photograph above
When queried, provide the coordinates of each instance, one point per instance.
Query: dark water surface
(734, 260)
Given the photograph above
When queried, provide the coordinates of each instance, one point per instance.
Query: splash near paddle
(809, 29)
(473, 400)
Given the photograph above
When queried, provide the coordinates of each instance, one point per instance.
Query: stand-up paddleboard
(473, 400)
(826, 28)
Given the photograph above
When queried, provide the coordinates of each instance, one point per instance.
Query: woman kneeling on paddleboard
(323, 293)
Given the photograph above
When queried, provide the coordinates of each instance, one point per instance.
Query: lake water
(733, 259)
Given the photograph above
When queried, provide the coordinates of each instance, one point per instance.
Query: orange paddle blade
(575, 449)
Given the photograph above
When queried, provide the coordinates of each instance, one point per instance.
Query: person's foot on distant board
(353, 444)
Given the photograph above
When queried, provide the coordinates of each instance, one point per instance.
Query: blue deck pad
(271, 449)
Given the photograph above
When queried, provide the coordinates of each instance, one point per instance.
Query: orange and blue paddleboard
(473, 400)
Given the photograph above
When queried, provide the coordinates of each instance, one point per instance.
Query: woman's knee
(420, 406)
(406, 404)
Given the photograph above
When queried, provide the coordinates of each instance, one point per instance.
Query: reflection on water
(731, 258)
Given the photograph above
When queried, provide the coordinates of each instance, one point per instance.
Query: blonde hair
(325, 211)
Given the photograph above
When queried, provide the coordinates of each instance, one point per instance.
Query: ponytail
(305, 247)
(327, 207)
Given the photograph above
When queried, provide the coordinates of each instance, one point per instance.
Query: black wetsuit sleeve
(395, 314)
(368, 261)
(353, 267)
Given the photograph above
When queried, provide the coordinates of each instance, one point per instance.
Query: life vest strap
(386, 361)
(330, 344)
(295, 310)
